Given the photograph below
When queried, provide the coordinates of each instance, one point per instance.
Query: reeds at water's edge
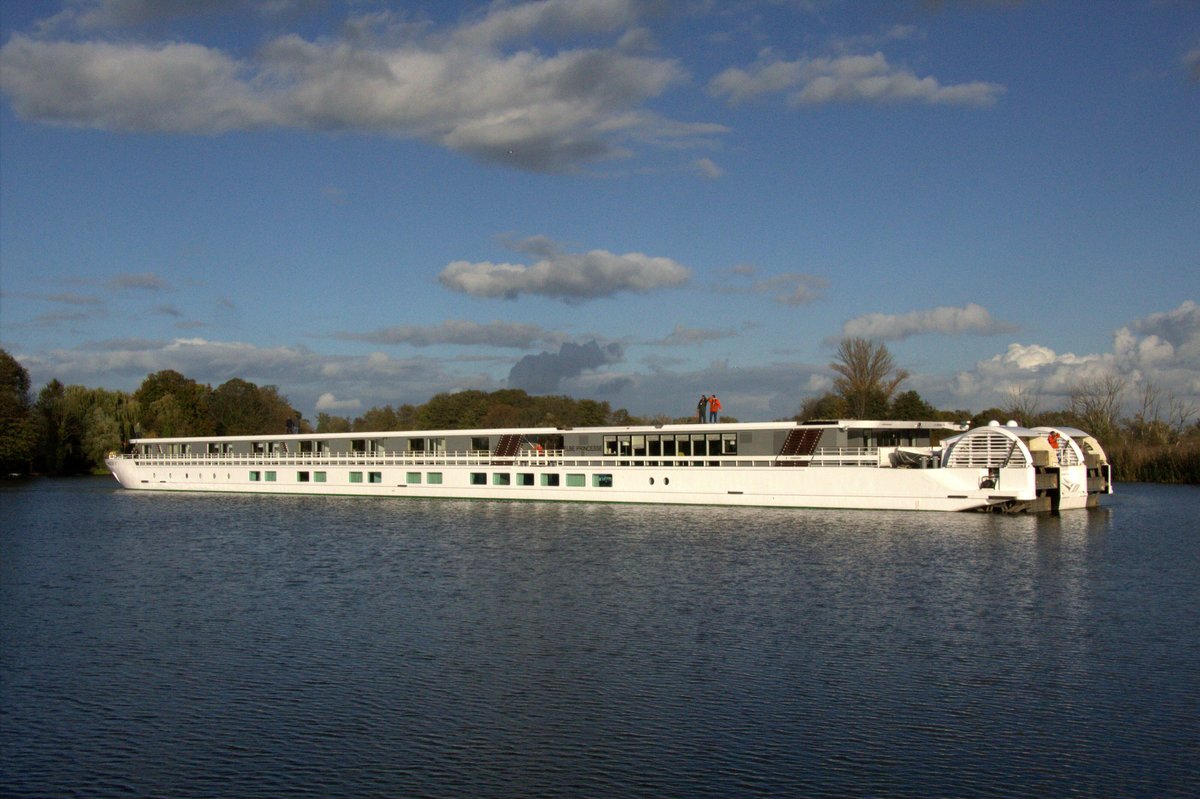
(1146, 463)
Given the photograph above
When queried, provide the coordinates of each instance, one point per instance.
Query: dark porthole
(666, 481)
(651, 481)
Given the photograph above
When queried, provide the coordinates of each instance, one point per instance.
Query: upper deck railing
(823, 457)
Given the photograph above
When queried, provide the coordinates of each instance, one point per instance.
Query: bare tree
(1023, 404)
(1097, 404)
(868, 376)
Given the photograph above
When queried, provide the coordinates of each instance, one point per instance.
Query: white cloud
(328, 402)
(845, 79)
(971, 318)
(541, 111)
(571, 277)
(1163, 348)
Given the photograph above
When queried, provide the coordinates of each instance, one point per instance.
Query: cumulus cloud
(844, 79)
(461, 89)
(329, 402)
(970, 319)
(460, 332)
(544, 372)
(1163, 348)
(570, 277)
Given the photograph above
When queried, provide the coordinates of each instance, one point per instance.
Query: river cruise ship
(896, 465)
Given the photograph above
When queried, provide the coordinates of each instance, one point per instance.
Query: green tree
(18, 423)
(332, 424)
(173, 405)
(826, 406)
(868, 377)
(909, 406)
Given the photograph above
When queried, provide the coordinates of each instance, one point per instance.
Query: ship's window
(434, 478)
(302, 477)
(501, 479)
(306, 446)
(259, 448)
(375, 477)
(525, 479)
(416, 445)
(576, 481)
(480, 443)
(478, 479)
(355, 477)
(322, 446)
(412, 478)
(668, 447)
(729, 444)
(318, 477)
(549, 479)
(602, 481)
(437, 445)
(639, 446)
(270, 477)
(358, 445)
(610, 445)
(255, 477)
(655, 446)
(685, 446)
(625, 445)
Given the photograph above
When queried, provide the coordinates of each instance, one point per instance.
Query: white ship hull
(862, 478)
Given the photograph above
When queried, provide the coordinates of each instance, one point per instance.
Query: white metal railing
(824, 457)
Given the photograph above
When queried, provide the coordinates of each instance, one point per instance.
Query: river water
(182, 645)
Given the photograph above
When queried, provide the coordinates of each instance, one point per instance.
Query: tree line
(69, 429)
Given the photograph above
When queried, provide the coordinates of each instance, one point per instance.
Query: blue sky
(637, 201)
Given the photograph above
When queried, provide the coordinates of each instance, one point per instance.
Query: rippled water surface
(186, 645)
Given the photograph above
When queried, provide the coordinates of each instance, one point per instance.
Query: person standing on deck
(702, 409)
(714, 407)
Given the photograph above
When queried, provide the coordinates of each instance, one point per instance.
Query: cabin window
(602, 481)
(434, 478)
(625, 446)
(375, 477)
(270, 477)
(255, 477)
(480, 443)
(302, 477)
(639, 446)
(729, 444)
(306, 447)
(576, 481)
(214, 449)
(437, 445)
(416, 445)
(501, 479)
(549, 479)
(358, 445)
(525, 479)
(355, 477)
(668, 447)
(610, 446)
(684, 446)
(318, 477)
(655, 447)
(413, 478)
(478, 479)
(259, 448)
